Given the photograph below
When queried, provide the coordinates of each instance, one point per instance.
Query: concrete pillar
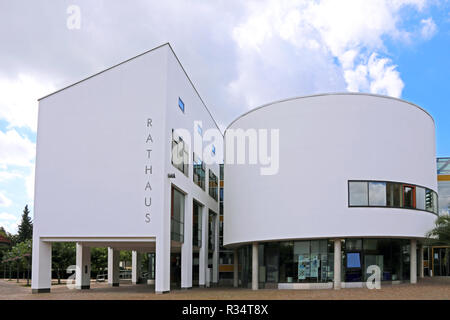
(255, 266)
(186, 247)
(215, 262)
(83, 270)
(162, 269)
(203, 254)
(113, 267)
(413, 261)
(41, 277)
(421, 271)
(337, 264)
(235, 269)
(136, 265)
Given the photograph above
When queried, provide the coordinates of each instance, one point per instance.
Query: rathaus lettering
(148, 170)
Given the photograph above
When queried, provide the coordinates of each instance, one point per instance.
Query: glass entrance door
(441, 261)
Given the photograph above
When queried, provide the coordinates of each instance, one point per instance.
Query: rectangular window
(431, 201)
(420, 198)
(197, 225)
(212, 231)
(181, 104)
(199, 172)
(377, 194)
(409, 197)
(199, 129)
(213, 184)
(358, 193)
(213, 150)
(394, 194)
(180, 153)
(177, 216)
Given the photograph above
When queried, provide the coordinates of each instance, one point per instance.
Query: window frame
(402, 184)
(200, 163)
(216, 187)
(185, 165)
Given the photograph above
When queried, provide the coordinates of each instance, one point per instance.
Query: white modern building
(106, 175)
(355, 187)
(354, 184)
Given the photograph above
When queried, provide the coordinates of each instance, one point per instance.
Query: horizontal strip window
(391, 195)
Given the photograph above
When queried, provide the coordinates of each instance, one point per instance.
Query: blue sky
(239, 55)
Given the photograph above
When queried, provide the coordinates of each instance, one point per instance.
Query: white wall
(324, 142)
(91, 152)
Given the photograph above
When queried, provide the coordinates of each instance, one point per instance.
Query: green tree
(4, 246)
(99, 259)
(125, 257)
(440, 235)
(25, 229)
(21, 253)
(63, 255)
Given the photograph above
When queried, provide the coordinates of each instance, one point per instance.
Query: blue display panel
(353, 260)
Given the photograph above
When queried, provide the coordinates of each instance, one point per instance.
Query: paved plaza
(437, 288)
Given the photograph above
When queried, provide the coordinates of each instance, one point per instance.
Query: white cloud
(15, 149)
(29, 185)
(311, 36)
(18, 99)
(9, 175)
(9, 221)
(429, 28)
(4, 201)
(377, 75)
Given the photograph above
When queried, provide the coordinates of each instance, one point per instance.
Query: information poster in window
(315, 266)
(324, 266)
(303, 266)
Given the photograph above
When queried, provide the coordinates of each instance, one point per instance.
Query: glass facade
(391, 194)
(177, 216)
(312, 261)
(443, 165)
(391, 255)
(444, 197)
(443, 171)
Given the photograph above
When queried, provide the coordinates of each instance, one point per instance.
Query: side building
(129, 159)
(437, 257)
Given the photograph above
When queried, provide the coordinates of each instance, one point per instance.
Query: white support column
(162, 272)
(41, 277)
(421, 271)
(203, 254)
(113, 267)
(413, 261)
(136, 265)
(235, 269)
(186, 247)
(83, 270)
(215, 275)
(255, 267)
(337, 264)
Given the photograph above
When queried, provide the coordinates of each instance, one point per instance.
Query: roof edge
(100, 72)
(326, 94)
(137, 56)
